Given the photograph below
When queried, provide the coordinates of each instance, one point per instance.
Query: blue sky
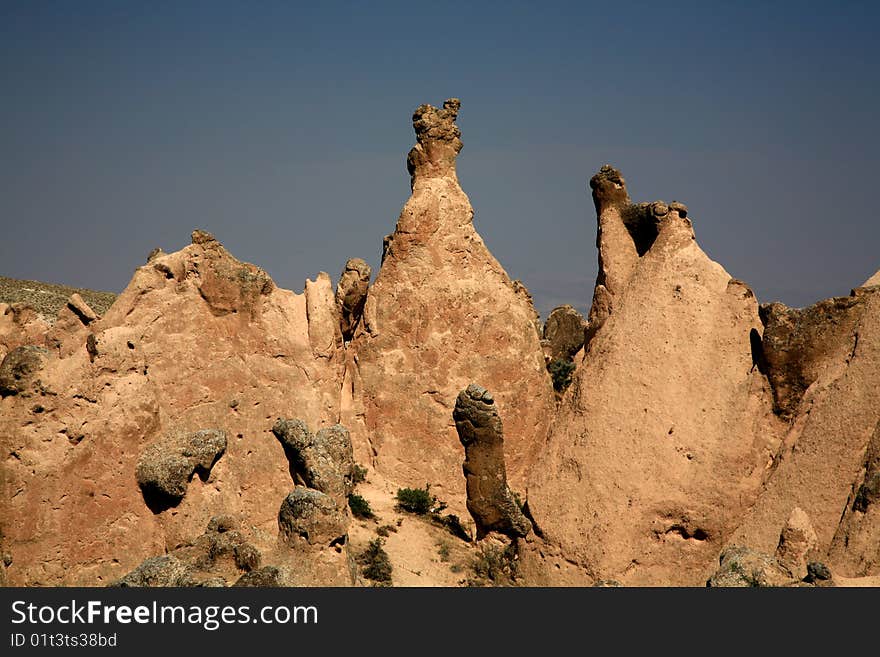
(283, 129)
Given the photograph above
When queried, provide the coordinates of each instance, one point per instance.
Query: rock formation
(197, 339)
(563, 333)
(489, 500)
(664, 437)
(322, 461)
(351, 294)
(828, 381)
(702, 438)
(441, 313)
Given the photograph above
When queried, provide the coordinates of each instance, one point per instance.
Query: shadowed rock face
(489, 500)
(351, 294)
(800, 344)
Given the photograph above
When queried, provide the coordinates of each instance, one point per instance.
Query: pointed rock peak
(437, 141)
(203, 237)
(874, 280)
(609, 188)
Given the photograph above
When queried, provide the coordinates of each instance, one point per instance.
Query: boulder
(489, 500)
(351, 294)
(798, 544)
(323, 461)
(310, 515)
(166, 465)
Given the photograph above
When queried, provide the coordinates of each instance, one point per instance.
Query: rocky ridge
(703, 437)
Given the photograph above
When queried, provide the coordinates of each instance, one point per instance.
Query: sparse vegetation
(443, 551)
(495, 566)
(415, 500)
(359, 474)
(560, 371)
(385, 530)
(360, 508)
(375, 564)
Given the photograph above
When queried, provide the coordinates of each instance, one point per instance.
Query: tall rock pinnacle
(442, 313)
(437, 141)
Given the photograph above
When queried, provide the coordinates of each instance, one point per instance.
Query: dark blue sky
(283, 129)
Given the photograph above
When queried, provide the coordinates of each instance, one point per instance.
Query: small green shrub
(443, 551)
(415, 500)
(560, 371)
(375, 564)
(385, 530)
(359, 475)
(360, 508)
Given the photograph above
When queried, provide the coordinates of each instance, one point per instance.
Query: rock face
(351, 294)
(198, 339)
(664, 437)
(219, 557)
(826, 450)
(441, 313)
(489, 500)
(563, 333)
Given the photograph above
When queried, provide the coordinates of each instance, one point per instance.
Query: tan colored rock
(664, 437)
(442, 313)
(798, 544)
(855, 548)
(324, 332)
(20, 325)
(874, 280)
(351, 294)
(822, 459)
(801, 345)
(82, 310)
(198, 339)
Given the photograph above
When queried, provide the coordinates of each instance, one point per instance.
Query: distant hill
(48, 298)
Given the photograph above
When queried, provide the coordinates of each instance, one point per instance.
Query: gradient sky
(283, 128)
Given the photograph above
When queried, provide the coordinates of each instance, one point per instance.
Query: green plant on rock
(360, 508)
(375, 564)
(359, 474)
(415, 500)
